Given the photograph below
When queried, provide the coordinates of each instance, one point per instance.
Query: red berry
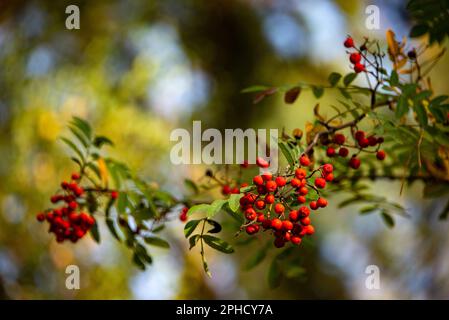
(313, 205)
(287, 236)
(262, 163)
(260, 204)
(304, 161)
(295, 183)
(251, 229)
(339, 138)
(354, 163)
(225, 190)
(75, 176)
(309, 230)
(269, 199)
(78, 191)
(303, 191)
(380, 155)
(329, 177)
(343, 152)
(280, 181)
(267, 176)
(279, 208)
(64, 185)
(245, 164)
(301, 199)
(276, 224)
(258, 180)
(279, 242)
(73, 205)
(271, 186)
(183, 216)
(320, 183)
(328, 168)
(359, 135)
(355, 57)
(358, 67)
(114, 194)
(295, 240)
(266, 223)
(321, 202)
(261, 189)
(304, 212)
(305, 221)
(372, 140)
(287, 225)
(250, 214)
(40, 217)
(293, 215)
(235, 190)
(300, 173)
(330, 152)
(363, 142)
(55, 198)
(349, 42)
(261, 218)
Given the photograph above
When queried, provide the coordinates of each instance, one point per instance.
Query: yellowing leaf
(103, 171)
(393, 48)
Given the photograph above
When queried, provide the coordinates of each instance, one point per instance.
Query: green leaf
(216, 227)
(100, 141)
(158, 242)
(138, 262)
(253, 89)
(333, 79)
(191, 185)
(199, 208)
(79, 135)
(394, 78)
(349, 78)
(368, 209)
(344, 93)
(418, 30)
(83, 126)
(287, 152)
(401, 107)
(158, 228)
(234, 201)
(113, 228)
(274, 274)
(193, 240)
(218, 244)
(95, 233)
(72, 146)
(388, 219)
(190, 227)
(420, 114)
(215, 207)
(256, 259)
(142, 252)
(317, 91)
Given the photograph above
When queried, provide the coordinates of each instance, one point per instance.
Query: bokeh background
(138, 69)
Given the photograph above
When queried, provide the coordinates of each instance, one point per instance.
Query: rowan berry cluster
(339, 146)
(278, 204)
(69, 221)
(355, 57)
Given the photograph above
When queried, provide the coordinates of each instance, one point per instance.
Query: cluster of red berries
(361, 142)
(267, 204)
(354, 57)
(183, 214)
(66, 222)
